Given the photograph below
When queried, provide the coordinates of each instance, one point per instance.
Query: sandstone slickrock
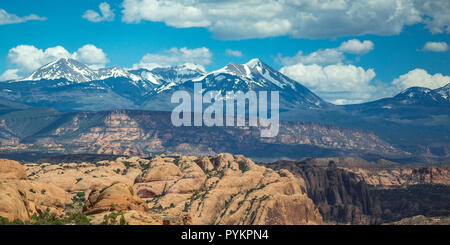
(20, 198)
(116, 197)
(83, 177)
(13, 202)
(11, 170)
(119, 198)
(225, 189)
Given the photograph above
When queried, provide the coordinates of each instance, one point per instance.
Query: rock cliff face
(422, 220)
(339, 195)
(139, 133)
(225, 189)
(403, 176)
(398, 191)
(384, 174)
(422, 199)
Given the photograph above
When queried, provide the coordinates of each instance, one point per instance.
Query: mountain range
(414, 121)
(68, 85)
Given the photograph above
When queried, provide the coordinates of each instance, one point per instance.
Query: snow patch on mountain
(255, 71)
(64, 68)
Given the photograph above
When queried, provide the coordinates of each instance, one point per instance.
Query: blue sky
(397, 47)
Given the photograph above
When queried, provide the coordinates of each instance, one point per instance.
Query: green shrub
(111, 219)
(243, 167)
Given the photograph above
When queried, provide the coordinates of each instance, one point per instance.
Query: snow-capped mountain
(114, 72)
(257, 76)
(73, 71)
(412, 103)
(420, 95)
(443, 92)
(166, 75)
(77, 72)
(147, 75)
(151, 89)
(178, 74)
(64, 68)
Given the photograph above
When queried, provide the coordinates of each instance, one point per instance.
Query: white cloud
(27, 58)
(354, 46)
(420, 78)
(7, 18)
(435, 46)
(91, 55)
(10, 74)
(348, 84)
(235, 53)
(337, 83)
(325, 73)
(175, 56)
(321, 56)
(300, 19)
(177, 14)
(437, 15)
(329, 55)
(106, 14)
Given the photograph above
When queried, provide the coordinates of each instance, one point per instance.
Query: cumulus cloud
(436, 12)
(173, 13)
(7, 18)
(420, 78)
(321, 56)
(337, 83)
(435, 46)
(106, 14)
(326, 73)
(91, 55)
(354, 46)
(329, 55)
(349, 84)
(10, 74)
(235, 53)
(175, 56)
(27, 58)
(300, 19)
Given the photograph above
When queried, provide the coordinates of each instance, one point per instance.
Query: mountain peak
(177, 74)
(257, 76)
(115, 71)
(446, 87)
(443, 92)
(255, 71)
(421, 95)
(70, 60)
(192, 67)
(254, 63)
(62, 61)
(64, 68)
(415, 90)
